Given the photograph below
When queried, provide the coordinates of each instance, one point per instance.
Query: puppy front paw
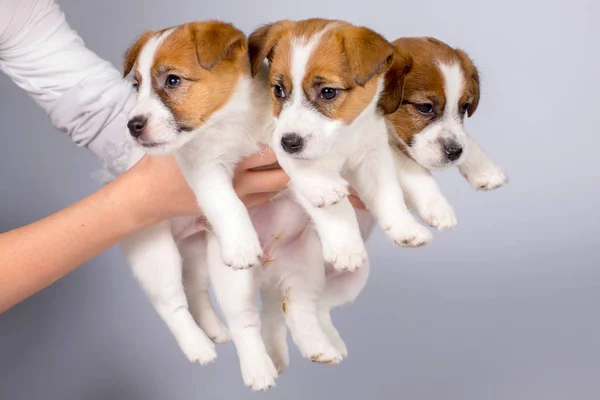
(345, 256)
(409, 234)
(323, 192)
(489, 178)
(216, 332)
(318, 349)
(438, 213)
(197, 347)
(242, 254)
(259, 374)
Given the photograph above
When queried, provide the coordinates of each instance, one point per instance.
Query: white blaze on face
(160, 126)
(453, 87)
(428, 145)
(297, 115)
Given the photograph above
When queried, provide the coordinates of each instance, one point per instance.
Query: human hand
(168, 195)
(356, 201)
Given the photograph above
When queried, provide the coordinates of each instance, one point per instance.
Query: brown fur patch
(424, 83)
(286, 299)
(346, 58)
(133, 52)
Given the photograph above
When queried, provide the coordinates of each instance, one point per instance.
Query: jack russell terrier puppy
(427, 131)
(329, 99)
(197, 99)
(441, 80)
(329, 96)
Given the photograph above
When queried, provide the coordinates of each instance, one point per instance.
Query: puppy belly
(184, 227)
(279, 222)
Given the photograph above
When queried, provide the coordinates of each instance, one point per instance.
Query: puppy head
(324, 76)
(183, 76)
(440, 89)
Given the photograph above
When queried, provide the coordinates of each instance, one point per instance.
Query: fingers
(273, 180)
(257, 199)
(356, 202)
(264, 157)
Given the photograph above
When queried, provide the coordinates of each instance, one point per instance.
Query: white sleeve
(84, 95)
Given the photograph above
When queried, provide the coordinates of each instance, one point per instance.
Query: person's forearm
(36, 255)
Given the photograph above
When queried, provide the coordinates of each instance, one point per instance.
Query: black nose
(453, 150)
(292, 143)
(136, 126)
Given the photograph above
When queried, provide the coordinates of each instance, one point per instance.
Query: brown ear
(393, 91)
(473, 76)
(216, 41)
(367, 53)
(132, 53)
(262, 41)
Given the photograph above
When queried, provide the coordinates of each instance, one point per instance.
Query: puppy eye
(173, 81)
(329, 93)
(424, 108)
(136, 86)
(464, 108)
(278, 91)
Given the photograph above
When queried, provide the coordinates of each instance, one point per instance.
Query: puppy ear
(217, 41)
(132, 53)
(473, 79)
(367, 53)
(262, 41)
(393, 91)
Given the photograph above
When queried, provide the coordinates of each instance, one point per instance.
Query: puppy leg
(422, 193)
(337, 227)
(376, 182)
(156, 263)
(236, 292)
(197, 284)
(302, 290)
(229, 218)
(274, 329)
(340, 289)
(314, 186)
(331, 332)
(481, 172)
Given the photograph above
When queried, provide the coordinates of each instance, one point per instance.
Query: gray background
(505, 306)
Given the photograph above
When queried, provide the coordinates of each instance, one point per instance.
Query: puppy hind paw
(259, 375)
(439, 214)
(347, 259)
(409, 234)
(198, 349)
(242, 256)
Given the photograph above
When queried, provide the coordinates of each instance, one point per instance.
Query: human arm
(84, 96)
(36, 255)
